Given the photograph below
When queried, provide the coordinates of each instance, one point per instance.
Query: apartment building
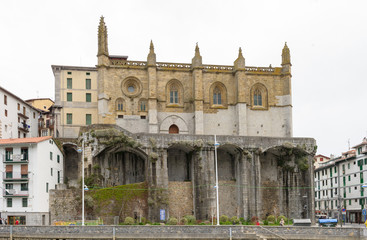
(47, 119)
(30, 167)
(319, 159)
(18, 119)
(339, 190)
(75, 99)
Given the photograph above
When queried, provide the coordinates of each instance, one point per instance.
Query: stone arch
(218, 95)
(174, 93)
(173, 129)
(174, 120)
(71, 162)
(121, 165)
(259, 97)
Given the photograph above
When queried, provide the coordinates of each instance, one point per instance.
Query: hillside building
(339, 184)
(30, 168)
(18, 119)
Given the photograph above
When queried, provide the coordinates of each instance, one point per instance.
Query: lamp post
(216, 175)
(83, 185)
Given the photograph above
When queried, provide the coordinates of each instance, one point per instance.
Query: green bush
(172, 221)
(129, 221)
(266, 222)
(235, 220)
(191, 220)
(143, 220)
(223, 218)
(184, 221)
(271, 218)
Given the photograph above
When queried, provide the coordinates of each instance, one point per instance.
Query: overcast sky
(327, 40)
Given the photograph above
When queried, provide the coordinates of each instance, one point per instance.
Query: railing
(15, 193)
(187, 66)
(15, 158)
(23, 126)
(15, 176)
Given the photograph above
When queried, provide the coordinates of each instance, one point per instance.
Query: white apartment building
(339, 184)
(18, 119)
(30, 167)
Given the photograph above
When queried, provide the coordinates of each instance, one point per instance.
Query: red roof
(24, 140)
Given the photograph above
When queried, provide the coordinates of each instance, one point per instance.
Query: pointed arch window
(173, 129)
(120, 104)
(217, 96)
(143, 105)
(257, 98)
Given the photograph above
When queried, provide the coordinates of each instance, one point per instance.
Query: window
(120, 104)
(18, 106)
(6, 113)
(24, 111)
(217, 96)
(69, 83)
(47, 187)
(58, 176)
(50, 155)
(334, 169)
(350, 189)
(24, 170)
(24, 202)
(9, 202)
(257, 98)
(69, 118)
(321, 159)
(88, 84)
(87, 73)
(349, 178)
(143, 106)
(69, 97)
(69, 73)
(348, 165)
(5, 100)
(52, 171)
(173, 95)
(24, 187)
(88, 97)
(88, 119)
(58, 158)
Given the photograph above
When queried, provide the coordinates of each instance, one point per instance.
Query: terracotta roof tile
(24, 140)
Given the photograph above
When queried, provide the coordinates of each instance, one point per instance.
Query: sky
(327, 40)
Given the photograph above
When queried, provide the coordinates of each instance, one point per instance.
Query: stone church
(156, 123)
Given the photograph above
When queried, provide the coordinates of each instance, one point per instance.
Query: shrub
(223, 218)
(271, 218)
(184, 221)
(254, 219)
(129, 221)
(143, 220)
(280, 217)
(191, 220)
(235, 220)
(172, 221)
(266, 222)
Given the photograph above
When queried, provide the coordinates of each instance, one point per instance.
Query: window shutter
(9, 168)
(24, 169)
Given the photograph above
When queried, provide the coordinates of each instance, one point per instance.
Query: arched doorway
(173, 129)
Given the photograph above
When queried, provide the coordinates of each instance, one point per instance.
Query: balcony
(16, 158)
(22, 115)
(24, 127)
(15, 177)
(15, 193)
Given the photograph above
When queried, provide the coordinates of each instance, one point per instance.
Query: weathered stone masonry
(258, 176)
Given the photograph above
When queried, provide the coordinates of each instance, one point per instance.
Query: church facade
(193, 98)
(154, 122)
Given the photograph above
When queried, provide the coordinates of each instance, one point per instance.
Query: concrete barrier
(180, 232)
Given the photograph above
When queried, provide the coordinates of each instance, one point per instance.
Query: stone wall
(64, 205)
(180, 199)
(181, 232)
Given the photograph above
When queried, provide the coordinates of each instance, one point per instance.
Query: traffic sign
(162, 214)
(364, 212)
(343, 210)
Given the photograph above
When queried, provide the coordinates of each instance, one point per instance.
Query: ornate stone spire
(286, 56)
(102, 38)
(239, 63)
(151, 56)
(197, 59)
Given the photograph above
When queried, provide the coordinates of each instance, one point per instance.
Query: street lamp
(216, 144)
(83, 184)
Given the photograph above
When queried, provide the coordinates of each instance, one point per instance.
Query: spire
(197, 59)
(102, 38)
(151, 61)
(239, 63)
(286, 57)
